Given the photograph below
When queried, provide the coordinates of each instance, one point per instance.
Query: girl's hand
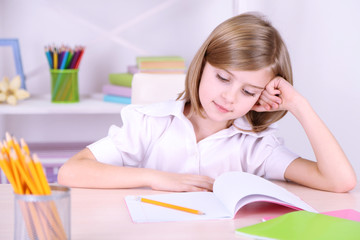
(278, 95)
(166, 181)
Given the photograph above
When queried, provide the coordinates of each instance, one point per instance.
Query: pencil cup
(64, 85)
(43, 216)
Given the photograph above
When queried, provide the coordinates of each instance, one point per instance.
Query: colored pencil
(79, 59)
(55, 55)
(49, 57)
(70, 56)
(64, 57)
(74, 59)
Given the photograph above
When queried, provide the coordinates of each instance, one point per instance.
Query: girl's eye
(222, 78)
(248, 93)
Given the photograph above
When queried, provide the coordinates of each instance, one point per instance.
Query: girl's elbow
(346, 185)
(64, 177)
(350, 185)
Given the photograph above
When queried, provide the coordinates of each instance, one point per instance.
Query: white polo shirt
(159, 136)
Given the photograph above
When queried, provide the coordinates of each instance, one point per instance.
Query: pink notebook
(110, 89)
(349, 214)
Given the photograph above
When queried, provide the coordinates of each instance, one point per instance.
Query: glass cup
(43, 216)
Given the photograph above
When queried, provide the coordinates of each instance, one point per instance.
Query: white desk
(102, 214)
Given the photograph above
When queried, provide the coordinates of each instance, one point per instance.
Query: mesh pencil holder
(64, 85)
(43, 216)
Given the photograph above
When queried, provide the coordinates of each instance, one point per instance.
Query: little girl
(238, 84)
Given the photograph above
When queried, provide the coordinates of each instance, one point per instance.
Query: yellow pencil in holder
(64, 85)
(41, 211)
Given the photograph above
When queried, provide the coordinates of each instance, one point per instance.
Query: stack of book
(118, 89)
(161, 64)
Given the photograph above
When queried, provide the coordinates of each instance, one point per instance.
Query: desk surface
(102, 214)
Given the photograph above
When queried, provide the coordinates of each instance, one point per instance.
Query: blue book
(117, 99)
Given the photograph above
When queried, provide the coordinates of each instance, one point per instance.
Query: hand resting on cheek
(277, 95)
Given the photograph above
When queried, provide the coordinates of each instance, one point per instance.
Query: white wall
(114, 32)
(323, 38)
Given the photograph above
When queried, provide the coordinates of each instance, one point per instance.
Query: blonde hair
(246, 42)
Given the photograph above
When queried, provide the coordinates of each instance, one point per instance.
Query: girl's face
(226, 95)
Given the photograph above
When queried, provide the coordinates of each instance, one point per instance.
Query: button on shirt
(159, 136)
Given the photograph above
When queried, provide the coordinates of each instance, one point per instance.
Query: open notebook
(232, 190)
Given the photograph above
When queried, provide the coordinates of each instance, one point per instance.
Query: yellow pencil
(13, 144)
(28, 219)
(5, 149)
(56, 221)
(9, 139)
(7, 171)
(34, 175)
(17, 176)
(24, 146)
(2, 148)
(41, 175)
(22, 174)
(19, 152)
(168, 205)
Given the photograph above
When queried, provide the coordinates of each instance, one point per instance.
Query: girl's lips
(221, 108)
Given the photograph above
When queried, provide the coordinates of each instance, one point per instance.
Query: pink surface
(349, 214)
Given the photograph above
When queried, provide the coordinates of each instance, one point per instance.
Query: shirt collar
(163, 109)
(176, 108)
(242, 125)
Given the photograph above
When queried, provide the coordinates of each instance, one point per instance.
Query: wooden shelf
(41, 104)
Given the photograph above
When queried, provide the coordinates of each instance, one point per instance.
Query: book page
(205, 202)
(236, 189)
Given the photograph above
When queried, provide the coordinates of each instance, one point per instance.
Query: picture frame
(14, 43)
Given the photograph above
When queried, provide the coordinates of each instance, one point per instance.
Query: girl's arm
(332, 170)
(83, 170)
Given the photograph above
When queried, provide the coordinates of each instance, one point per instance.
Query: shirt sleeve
(278, 161)
(125, 145)
(269, 157)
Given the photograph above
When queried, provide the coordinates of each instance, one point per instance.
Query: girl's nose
(229, 95)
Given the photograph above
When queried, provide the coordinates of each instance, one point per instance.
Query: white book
(231, 191)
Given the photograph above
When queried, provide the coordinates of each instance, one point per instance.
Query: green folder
(121, 79)
(303, 225)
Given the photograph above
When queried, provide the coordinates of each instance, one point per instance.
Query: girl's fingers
(272, 91)
(264, 104)
(196, 189)
(261, 106)
(269, 101)
(271, 97)
(193, 183)
(178, 182)
(202, 182)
